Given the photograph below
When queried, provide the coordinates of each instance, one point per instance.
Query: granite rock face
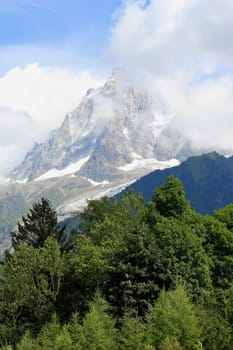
(113, 126)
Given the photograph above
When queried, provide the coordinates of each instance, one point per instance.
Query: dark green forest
(131, 275)
(207, 180)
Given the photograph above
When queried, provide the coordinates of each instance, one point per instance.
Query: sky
(52, 51)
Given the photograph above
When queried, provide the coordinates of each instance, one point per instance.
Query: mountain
(117, 134)
(207, 180)
(116, 128)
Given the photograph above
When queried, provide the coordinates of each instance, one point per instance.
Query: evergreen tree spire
(40, 223)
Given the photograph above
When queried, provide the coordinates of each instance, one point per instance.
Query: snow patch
(24, 181)
(102, 183)
(126, 133)
(69, 170)
(150, 163)
(95, 183)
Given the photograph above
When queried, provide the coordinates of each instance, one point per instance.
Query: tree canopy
(145, 276)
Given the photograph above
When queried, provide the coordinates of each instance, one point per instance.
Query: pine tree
(40, 223)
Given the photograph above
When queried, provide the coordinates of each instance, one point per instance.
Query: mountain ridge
(207, 180)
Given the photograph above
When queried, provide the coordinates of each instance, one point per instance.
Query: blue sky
(77, 29)
(52, 51)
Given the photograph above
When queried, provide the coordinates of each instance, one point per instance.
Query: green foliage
(28, 343)
(170, 198)
(40, 223)
(132, 335)
(88, 267)
(98, 331)
(228, 300)
(48, 334)
(216, 333)
(181, 256)
(131, 275)
(173, 317)
(170, 344)
(31, 283)
(225, 215)
(134, 255)
(63, 340)
(94, 213)
(130, 256)
(219, 247)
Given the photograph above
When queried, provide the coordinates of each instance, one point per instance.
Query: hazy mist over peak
(181, 51)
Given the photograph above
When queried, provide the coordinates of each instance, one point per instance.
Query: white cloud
(182, 51)
(203, 112)
(33, 101)
(103, 112)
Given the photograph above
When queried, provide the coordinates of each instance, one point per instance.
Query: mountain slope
(207, 180)
(116, 135)
(113, 126)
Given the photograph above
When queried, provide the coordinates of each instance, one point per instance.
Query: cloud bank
(33, 101)
(182, 51)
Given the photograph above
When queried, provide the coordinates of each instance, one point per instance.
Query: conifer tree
(98, 331)
(40, 223)
(173, 316)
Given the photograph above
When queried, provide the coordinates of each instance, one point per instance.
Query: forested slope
(133, 275)
(207, 180)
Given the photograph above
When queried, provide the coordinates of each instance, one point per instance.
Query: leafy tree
(105, 219)
(130, 262)
(219, 247)
(180, 256)
(131, 280)
(108, 258)
(31, 283)
(94, 213)
(225, 215)
(170, 198)
(85, 272)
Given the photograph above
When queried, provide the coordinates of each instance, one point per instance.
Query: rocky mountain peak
(113, 126)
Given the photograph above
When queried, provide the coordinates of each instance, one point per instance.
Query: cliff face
(113, 126)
